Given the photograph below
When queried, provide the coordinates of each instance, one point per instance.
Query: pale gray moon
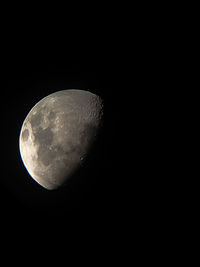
(57, 134)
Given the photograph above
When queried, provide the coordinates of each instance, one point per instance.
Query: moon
(57, 134)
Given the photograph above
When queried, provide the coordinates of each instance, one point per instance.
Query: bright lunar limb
(57, 133)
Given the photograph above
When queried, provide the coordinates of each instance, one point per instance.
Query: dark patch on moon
(36, 119)
(44, 137)
(70, 148)
(58, 150)
(25, 135)
(88, 134)
(45, 155)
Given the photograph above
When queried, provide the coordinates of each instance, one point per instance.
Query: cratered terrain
(57, 134)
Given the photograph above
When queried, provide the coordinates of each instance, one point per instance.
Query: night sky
(120, 198)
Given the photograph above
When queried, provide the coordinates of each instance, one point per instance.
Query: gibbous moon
(57, 133)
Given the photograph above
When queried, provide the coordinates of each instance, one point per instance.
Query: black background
(93, 192)
(116, 189)
(119, 190)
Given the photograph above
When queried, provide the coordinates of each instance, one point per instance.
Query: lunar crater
(51, 115)
(25, 135)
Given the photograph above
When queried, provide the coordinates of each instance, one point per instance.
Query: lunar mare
(57, 133)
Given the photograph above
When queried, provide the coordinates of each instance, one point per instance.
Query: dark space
(119, 198)
(92, 191)
(114, 193)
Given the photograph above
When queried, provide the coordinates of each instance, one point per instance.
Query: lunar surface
(57, 134)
